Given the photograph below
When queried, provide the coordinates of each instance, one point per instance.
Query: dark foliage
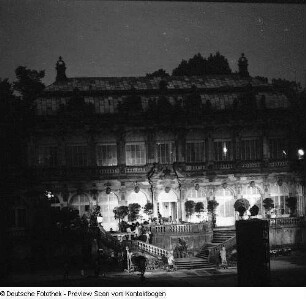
(189, 207)
(29, 84)
(161, 73)
(241, 205)
(134, 209)
(215, 64)
(291, 203)
(268, 203)
(199, 207)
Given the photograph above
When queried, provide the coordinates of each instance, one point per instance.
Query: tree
(148, 209)
(189, 208)
(199, 208)
(291, 203)
(218, 65)
(268, 204)
(29, 84)
(120, 213)
(215, 64)
(134, 209)
(161, 73)
(241, 205)
(211, 207)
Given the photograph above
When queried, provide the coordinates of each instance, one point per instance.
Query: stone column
(121, 147)
(210, 148)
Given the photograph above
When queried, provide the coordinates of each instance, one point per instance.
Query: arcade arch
(225, 210)
(168, 204)
(107, 203)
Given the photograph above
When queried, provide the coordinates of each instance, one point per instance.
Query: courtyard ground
(285, 271)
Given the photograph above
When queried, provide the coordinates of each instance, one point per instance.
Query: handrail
(179, 228)
(286, 221)
(214, 251)
(152, 249)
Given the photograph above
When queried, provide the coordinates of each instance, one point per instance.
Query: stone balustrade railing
(152, 249)
(287, 221)
(215, 251)
(179, 228)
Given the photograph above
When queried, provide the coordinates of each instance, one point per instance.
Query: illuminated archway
(80, 202)
(107, 203)
(225, 210)
(168, 204)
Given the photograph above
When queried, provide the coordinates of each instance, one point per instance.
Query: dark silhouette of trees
(215, 64)
(161, 73)
(29, 84)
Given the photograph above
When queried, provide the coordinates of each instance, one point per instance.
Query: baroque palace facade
(116, 141)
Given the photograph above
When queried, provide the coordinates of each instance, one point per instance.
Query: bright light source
(224, 149)
(49, 194)
(301, 154)
(284, 152)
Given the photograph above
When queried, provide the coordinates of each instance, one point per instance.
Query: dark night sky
(133, 38)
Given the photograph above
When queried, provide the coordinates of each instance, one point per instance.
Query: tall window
(80, 202)
(223, 150)
(278, 148)
(250, 149)
(17, 217)
(195, 151)
(107, 203)
(107, 155)
(279, 194)
(47, 156)
(165, 152)
(135, 154)
(77, 155)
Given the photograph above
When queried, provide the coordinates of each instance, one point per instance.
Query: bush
(241, 205)
(291, 203)
(268, 203)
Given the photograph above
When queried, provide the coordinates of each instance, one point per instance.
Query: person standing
(223, 257)
(170, 261)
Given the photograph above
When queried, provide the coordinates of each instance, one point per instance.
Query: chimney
(60, 70)
(243, 66)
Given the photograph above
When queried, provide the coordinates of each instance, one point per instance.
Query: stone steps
(192, 263)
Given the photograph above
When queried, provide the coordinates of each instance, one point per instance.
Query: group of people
(139, 232)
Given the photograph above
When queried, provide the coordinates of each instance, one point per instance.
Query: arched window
(300, 201)
(80, 202)
(197, 195)
(253, 195)
(139, 198)
(55, 203)
(225, 210)
(279, 194)
(168, 204)
(108, 202)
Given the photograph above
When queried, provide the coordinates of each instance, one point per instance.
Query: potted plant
(268, 205)
(291, 203)
(211, 207)
(199, 208)
(148, 209)
(241, 206)
(189, 208)
(134, 209)
(120, 213)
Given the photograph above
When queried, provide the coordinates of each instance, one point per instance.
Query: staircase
(221, 237)
(192, 263)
